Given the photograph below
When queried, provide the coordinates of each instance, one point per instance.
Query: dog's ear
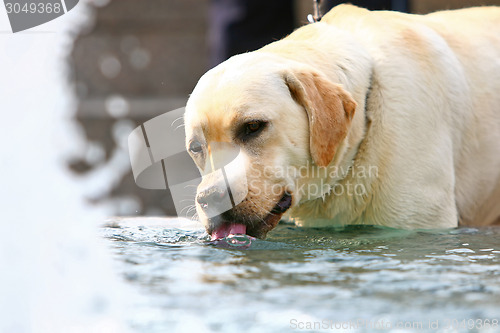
(329, 109)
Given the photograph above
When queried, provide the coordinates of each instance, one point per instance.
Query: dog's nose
(212, 197)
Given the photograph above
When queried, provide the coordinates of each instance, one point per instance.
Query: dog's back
(455, 56)
(474, 35)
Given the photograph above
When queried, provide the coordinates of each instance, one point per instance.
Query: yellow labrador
(367, 117)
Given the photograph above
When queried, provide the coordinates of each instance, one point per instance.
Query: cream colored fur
(426, 122)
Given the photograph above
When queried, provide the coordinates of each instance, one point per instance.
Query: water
(54, 274)
(359, 279)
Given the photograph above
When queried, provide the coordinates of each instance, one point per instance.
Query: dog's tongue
(227, 229)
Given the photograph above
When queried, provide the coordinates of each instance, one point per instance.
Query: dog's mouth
(258, 230)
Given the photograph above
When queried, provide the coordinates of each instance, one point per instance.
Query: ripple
(323, 274)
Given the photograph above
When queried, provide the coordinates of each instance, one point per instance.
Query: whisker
(257, 216)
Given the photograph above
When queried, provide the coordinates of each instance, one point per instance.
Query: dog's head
(281, 120)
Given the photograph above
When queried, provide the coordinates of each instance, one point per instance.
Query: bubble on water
(234, 241)
(239, 240)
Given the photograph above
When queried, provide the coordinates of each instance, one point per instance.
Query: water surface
(358, 279)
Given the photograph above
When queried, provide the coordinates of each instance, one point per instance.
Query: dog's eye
(253, 126)
(195, 147)
(250, 130)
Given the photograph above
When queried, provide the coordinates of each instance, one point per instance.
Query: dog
(402, 109)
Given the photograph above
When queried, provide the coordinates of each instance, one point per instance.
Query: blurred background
(141, 59)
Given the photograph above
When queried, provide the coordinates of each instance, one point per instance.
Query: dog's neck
(345, 62)
(354, 174)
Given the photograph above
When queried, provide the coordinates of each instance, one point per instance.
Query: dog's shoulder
(344, 11)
